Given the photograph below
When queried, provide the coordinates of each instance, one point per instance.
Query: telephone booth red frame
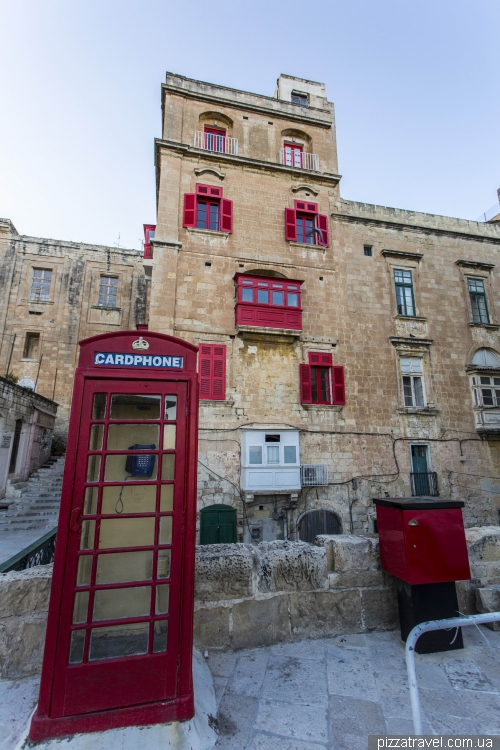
(118, 649)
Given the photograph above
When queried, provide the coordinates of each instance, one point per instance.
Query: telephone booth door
(121, 612)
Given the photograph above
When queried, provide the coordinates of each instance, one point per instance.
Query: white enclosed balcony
(221, 144)
(298, 159)
(270, 461)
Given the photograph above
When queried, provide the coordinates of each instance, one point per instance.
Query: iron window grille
(40, 285)
(478, 304)
(314, 475)
(404, 293)
(486, 391)
(108, 291)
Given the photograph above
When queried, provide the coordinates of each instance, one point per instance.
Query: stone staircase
(34, 504)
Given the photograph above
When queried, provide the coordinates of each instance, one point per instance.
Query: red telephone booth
(119, 638)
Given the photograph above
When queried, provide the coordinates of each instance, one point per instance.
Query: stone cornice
(401, 254)
(165, 243)
(249, 107)
(405, 341)
(372, 221)
(475, 264)
(229, 159)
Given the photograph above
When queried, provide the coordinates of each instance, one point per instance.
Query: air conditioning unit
(314, 475)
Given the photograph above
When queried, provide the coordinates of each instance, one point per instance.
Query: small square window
(298, 97)
(368, 249)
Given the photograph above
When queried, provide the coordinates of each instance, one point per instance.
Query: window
(273, 303)
(413, 391)
(272, 453)
(486, 358)
(212, 372)
(31, 346)
(214, 139)
(255, 454)
(292, 155)
(149, 233)
(320, 381)
(40, 285)
(486, 390)
(207, 209)
(108, 291)
(478, 304)
(404, 293)
(368, 249)
(298, 97)
(304, 224)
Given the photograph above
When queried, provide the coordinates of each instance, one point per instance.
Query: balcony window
(293, 155)
(477, 294)
(215, 139)
(149, 233)
(304, 224)
(268, 302)
(270, 460)
(207, 209)
(486, 390)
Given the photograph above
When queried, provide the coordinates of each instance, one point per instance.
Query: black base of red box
(429, 601)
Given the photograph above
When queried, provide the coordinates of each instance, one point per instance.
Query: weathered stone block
(346, 552)
(291, 566)
(260, 622)
(352, 578)
(325, 613)
(25, 591)
(21, 646)
(211, 627)
(488, 600)
(223, 571)
(379, 608)
(483, 543)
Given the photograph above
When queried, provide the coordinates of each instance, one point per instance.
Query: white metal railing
(213, 142)
(298, 159)
(414, 635)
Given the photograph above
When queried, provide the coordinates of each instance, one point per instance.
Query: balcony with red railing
(263, 302)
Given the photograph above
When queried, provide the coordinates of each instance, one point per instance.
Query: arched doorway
(317, 522)
(218, 525)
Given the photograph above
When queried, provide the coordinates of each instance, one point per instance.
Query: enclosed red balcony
(268, 302)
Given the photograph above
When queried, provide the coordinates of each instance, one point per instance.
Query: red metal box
(422, 540)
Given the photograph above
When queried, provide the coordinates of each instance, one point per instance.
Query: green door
(218, 525)
(420, 470)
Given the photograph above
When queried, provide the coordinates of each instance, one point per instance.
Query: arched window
(486, 358)
(317, 522)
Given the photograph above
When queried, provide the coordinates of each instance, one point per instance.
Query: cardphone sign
(118, 649)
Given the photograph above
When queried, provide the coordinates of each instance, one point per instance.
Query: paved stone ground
(329, 693)
(333, 693)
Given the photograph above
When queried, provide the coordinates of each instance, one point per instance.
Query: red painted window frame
(301, 211)
(321, 361)
(268, 314)
(148, 228)
(207, 130)
(212, 372)
(210, 194)
(294, 147)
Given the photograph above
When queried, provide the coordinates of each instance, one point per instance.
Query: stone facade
(349, 310)
(53, 300)
(27, 423)
(249, 596)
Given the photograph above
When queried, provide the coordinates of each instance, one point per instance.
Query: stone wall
(257, 596)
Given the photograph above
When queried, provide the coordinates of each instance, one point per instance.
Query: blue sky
(415, 87)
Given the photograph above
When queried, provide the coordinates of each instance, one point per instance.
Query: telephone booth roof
(143, 346)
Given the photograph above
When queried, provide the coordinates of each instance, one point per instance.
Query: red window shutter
(338, 385)
(308, 208)
(323, 225)
(226, 223)
(189, 210)
(209, 191)
(320, 359)
(305, 384)
(212, 372)
(290, 225)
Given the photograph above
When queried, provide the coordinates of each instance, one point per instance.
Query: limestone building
(55, 293)
(347, 350)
